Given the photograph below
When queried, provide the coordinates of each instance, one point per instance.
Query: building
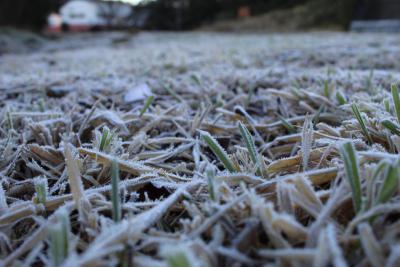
(85, 15)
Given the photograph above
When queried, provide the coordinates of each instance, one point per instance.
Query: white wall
(80, 12)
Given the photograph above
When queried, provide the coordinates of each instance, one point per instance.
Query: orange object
(244, 12)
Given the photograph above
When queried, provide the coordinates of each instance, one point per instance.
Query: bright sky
(133, 2)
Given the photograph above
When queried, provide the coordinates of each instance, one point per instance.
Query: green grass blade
(326, 89)
(210, 173)
(115, 195)
(251, 147)
(396, 100)
(315, 119)
(109, 140)
(291, 129)
(340, 98)
(103, 139)
(178, 260)
(172, 93)
(59, 238)
(386, 104)
(371, 183)
(218, 151)
(361, 121)
(390, 183)
(41, 189)
(147, 104)
(350, 161)
(392, 127)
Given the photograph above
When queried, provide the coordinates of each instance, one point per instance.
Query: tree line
(161, 14)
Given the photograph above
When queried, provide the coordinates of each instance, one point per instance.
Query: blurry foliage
(185, 14)
(27, 13)
(189, 14)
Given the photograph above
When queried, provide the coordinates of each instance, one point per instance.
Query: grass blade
(361, 121)
(41, 189)
(59, 238)
(251, 147)
(178, 259)
(390, 184)
(146, 105)
(115, 194)
(218, 151)
(172, 93)
(386, 104)
(396, 100)
(210, 173)
(392, 127)
(340, 98)
(306, 140)
(103, 140)
(350, 161)
(291, 129)
(326, 89)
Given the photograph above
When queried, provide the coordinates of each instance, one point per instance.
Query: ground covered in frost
(231, 150)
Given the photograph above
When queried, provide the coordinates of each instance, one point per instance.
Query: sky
(133, 2)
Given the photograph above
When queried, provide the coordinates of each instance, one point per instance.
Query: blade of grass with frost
(396, 100)
(115, 196)
(371, 183)
(106, 139)
(59, 239)
(3, 198)
(251, 147)
(9, 119)
(371, 245)
(386, 104)
(146, 105)
(350, 161)
(361, 121)
(287, 125)
(340, 98)
(296, 92)
(210, 173)
(326, 89)
(178, 260)
(74, 175)
(103, 138)
(41, 189)
(218, 151)
(392, 127)
(172, 93)
(315, 119)
(390, 183)
(250, 95)
(306, 140)
(42, 105)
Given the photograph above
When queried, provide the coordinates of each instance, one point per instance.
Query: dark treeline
(31, 14)
(188, 14)
(161, 14)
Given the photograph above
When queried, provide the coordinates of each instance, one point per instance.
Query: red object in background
(79, 28)
(244, 12)
(52, 29)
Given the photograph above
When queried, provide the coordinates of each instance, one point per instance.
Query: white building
(87, 14)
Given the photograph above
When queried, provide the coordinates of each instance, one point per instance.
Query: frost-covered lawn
(201, 149)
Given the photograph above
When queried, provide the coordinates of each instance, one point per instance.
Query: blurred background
(27, 25)
(177, 15)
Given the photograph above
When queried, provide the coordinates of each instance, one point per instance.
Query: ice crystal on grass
(239, 156)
